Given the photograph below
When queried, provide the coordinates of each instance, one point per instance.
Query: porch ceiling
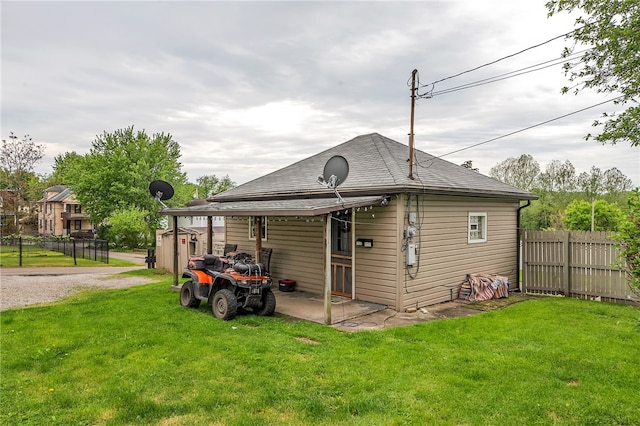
(293, 207)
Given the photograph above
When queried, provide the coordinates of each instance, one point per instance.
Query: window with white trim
(477, 228)
(252, 228)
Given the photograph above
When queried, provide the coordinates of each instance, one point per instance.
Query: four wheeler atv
(227, 285)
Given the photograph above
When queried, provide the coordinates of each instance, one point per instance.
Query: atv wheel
(188, 297)
(268, 304)
(224, 305)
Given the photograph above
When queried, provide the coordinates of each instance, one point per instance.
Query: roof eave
(346, 192)
(227, 208)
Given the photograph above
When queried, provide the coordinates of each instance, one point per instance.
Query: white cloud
(285, 80)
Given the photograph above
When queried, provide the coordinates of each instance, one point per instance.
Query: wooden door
(341, 259)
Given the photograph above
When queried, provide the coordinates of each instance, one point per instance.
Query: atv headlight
(243, 282)
(265, 281)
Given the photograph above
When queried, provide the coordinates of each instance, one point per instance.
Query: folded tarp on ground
(479, 287)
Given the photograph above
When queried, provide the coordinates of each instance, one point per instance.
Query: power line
(502, 59)
(530, 127)
(526, 70)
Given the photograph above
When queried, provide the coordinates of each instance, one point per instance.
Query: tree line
(587, 201)
(110, 182)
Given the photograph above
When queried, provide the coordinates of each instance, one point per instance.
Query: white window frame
(477, 222)
(252, 229)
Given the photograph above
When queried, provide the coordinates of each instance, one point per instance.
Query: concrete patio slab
(354, 315)
(310, 307)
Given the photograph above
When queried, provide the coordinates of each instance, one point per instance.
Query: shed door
(341, 253)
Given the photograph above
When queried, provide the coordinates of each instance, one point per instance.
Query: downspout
(518, 242)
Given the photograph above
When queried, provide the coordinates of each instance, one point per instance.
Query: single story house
(400, 233)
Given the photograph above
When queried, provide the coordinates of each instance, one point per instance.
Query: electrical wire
(529, 127)
(503, 58)
(532, 68)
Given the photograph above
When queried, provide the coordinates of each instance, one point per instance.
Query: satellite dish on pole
(161, 190)
(335, 172)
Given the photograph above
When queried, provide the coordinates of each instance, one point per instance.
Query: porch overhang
(288, 207)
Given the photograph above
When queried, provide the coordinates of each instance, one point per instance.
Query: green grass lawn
(135, 356)
(35, 257)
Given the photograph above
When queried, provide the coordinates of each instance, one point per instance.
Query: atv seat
(214, 263)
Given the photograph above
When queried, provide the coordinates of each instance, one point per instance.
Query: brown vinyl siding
(445, 256)
(298, 248)
(375, 267)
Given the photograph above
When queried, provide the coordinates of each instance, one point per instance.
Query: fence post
(523, 260)
(73, 245)
(566, 276)
(20, 251)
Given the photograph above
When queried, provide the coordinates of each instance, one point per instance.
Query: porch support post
(209, 235)
(257, 223)
(175, 250)
(353, 254)
(327, 270)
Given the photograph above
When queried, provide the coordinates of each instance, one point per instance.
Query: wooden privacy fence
(574, 264)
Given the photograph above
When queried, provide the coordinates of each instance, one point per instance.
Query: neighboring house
(61, 214)
(200, 222)
(16, 215)
(400, 241)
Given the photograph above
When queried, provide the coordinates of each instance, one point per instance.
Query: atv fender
(198, 277)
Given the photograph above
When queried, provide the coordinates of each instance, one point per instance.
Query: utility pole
(413, 107)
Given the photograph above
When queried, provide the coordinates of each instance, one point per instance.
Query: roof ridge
(389, 155)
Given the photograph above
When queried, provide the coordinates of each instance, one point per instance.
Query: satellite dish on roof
(335, 172)
(161, 190)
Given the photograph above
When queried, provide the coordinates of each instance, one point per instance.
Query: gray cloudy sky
(247, 88)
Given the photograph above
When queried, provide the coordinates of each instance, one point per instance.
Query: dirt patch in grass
(307, 340)
(491, 304)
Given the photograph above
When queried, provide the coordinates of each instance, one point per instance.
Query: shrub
(628, 241)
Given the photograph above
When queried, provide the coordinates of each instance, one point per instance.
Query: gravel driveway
(23, 290)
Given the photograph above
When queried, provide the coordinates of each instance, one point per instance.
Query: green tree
(615, 184)
(210, 185)
(555, 186)
(18, 158)
(64, 166)
(628, 241)
(520, 172)
(577, 216)
(558, 177)
(610, 31)
(592, 184)
(538, 216)
(116, 174)
(128, 228)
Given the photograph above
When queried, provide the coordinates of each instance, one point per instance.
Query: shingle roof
(60, 193)
(377, 165)
(66, 193)
(283, 207)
